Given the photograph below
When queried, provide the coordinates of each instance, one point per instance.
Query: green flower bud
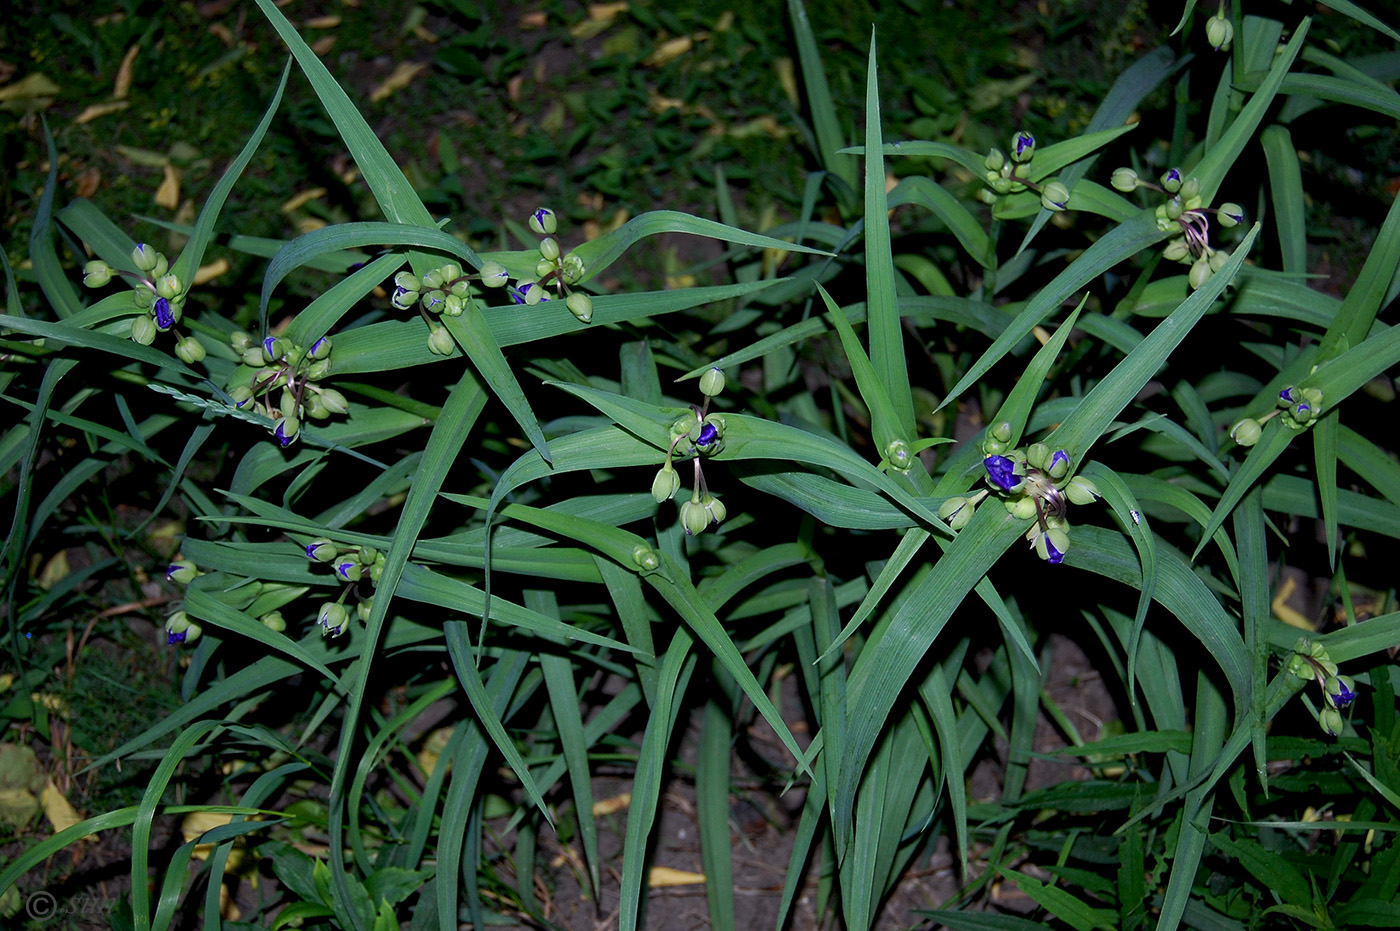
(666, 483)
(543, 221)
(683, 425)
(162, 265)
(1200, 272)
(273, 349)
(645, 558)
(143, 297)
(1190, 190)
(1081, 490)
(1052, 545)
(241, 341)
(580, 305)
(320, 349)
(433, 280)
(994, 160)
(1001, 185)
(494, 275)
(313, 407)
(1220, 32)
(543, 268)
(1038, 455)
(96, 273)
(364, 608)
(334, 401)
(1054, 196)
(189, 350)
(332, 618)
(1218, 258)
(1176, 250)
(440, 342)
(712, 382)
(530, 292)
(571, 269)
(1000, 431)
(1022, 508)
(144, 257)
(434, 301)
(1171, 181)
(180, 629)
(318, 369)
(321, 550)
(240, 395)
(956, 512)
(549, 248)
(694, 517)
(407, 281)
(253, 356)
(286, 431)
(1022, 147)
(143, 330)
(1330, 720)
(452, 306)
(450, 273)
(1174, 208)
(274, 621)
(1246, 432)
(987, 196)
(1125, 180)
(1229, 214)
(167, 286)
(715, 508)
(288, 403)
(347, 568)
(182, 571)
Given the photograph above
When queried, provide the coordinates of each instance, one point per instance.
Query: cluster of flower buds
(178, 626)
(1011, 175)
(154, 290)
(446, 291)
(1309, 662)
(1034, 483)
(1220, 32)
(699, 433)
(1184, 212)
(1299, 407)
(351, 564)
(290, 373)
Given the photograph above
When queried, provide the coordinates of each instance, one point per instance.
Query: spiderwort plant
(699, 433)
(290, 374)
(1309, 662)
(1184, 211)
(154, 291)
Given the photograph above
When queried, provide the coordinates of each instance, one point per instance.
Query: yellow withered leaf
(61, 814)
(168, 194)
(609, 806)
(665, 876)
(323, 22)
(301, 200)
(122, 86)
(403, 76)
(210, 271)
(96, 110)
(669, 51)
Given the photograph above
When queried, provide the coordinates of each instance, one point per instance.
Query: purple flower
(1173, 176)
(172, 638)
(1052, 555)
(540, 214)
(1002, 472)
(518, 294)
(708, 434)
(1024, 143)
(312, 547)
(1060, 456)
(1343, 697)
(281, 434)
(1288, 395)
(165, 317)
(318, 347)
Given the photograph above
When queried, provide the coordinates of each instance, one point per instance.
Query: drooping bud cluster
(1036, 483)
(351, 565)
(698, 433)
(289, 375)
(1298, 406)
(1309, 662)
(447, 290)
(157, 292)
(1011, 176)
(1184, 211)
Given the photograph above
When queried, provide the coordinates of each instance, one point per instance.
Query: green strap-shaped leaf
(882, 307)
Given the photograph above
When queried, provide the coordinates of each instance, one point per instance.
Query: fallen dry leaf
(168, 194)
(207, 273)
(665, 876)
(669, 51)
(31, 92)
(61, 814)
(609, 806)
(301, 200)
(93, 111)
(534, 20)
(123, 83)
(323, 45)
(323, 22)
(87, 182)
(403, 76)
